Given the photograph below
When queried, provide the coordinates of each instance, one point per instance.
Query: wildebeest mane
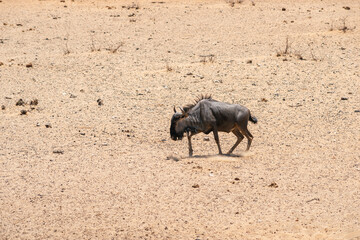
(188, 107)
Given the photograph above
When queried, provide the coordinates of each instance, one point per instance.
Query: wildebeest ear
(174, 110)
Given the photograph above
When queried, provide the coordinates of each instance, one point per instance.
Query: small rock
(206, 139)
(20, 102)
(273, 185)
(237, 179)
(314, 199)
(58, 151)
(48, 125)
(346, 8)
(264, 100)
(357, 111)
(1, 63)
(34, 102)
(29, 65)
(38, 124)
(344, 98)
(100, 102)
(72, 95)
(2, 107)
(283, 9)
(176, 159)
(249, 61)
(195, 186)
(23, 112)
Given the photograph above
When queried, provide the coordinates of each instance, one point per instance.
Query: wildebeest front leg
(216, 136)
(189, 142)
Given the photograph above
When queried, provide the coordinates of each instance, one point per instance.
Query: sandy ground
(74, 169)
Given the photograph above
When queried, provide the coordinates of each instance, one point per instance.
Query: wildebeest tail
(252, 119)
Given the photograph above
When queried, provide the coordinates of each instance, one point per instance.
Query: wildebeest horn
(182, 110)
(174, 110)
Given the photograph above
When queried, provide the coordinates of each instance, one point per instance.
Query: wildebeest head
(174, 120)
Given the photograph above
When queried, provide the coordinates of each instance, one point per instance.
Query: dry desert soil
(87, 153)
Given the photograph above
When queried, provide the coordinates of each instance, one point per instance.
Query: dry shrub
(343, 26)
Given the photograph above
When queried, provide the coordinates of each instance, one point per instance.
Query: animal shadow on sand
(212, 156)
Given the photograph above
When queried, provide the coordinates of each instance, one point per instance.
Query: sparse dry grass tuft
(345, 28)
(233, 2)
(115, 47)
(93, 48)
(66, 50)
(286, 51)
(132, 6)
(207, 58)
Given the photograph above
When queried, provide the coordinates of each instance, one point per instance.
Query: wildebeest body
(209, 115)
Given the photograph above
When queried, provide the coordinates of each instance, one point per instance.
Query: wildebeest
(208, 115)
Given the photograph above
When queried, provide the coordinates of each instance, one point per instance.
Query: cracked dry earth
(87, 154)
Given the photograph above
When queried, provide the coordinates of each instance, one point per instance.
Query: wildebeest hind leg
(239, 136)
(249, 138)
